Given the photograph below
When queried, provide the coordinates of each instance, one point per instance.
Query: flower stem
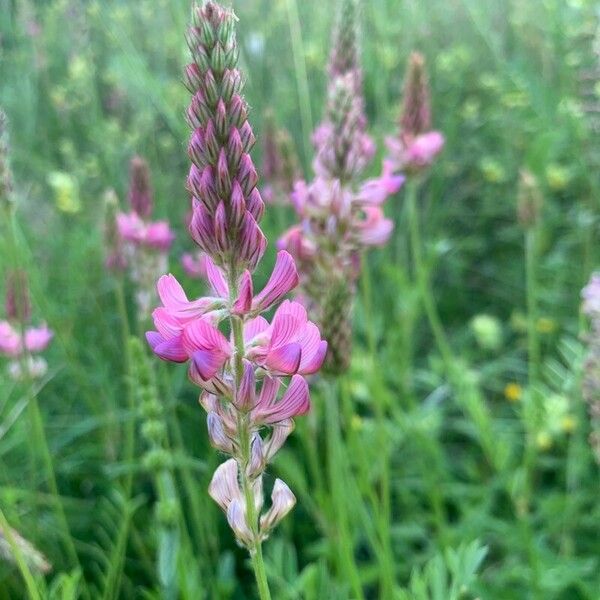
(337, 473)
(422, 278)
(255, 549)
(435, 323)
(531, 411)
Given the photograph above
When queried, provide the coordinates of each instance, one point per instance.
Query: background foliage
(87, 84)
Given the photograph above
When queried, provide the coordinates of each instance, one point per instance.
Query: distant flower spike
(142, 245)
(340, 215)
(416, 145)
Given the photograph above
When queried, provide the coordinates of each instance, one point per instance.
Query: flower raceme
(234, 354)
(19, 342)
(416, 146)
(340, 212)
(142, 245)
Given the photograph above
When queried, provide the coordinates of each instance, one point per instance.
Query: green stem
(32, 588)
(422, 278)
(301, 76)
(337, 473)
(255, 548)
(130, 423)
(531, 412)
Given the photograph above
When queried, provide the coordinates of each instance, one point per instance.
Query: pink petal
(245, 397)
(216, 279)
(284, 359)
(295, 402)
(37, 339)
(170, 350)
(243, 302)
(208, 362)
(313, 364)
(201, 335)
(254, 327)
(283, 279)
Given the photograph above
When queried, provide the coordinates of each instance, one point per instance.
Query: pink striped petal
(208, 362)
(284, 360)
(169, 350)
(295, 402)
(216, 279)
(243, 303)
(201, 335)
(254, 327)
(313, 364)
(283, 279)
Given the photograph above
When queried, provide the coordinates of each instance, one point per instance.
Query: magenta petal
(284, 359)
(283, 279)
(170, 350)
(208, 363)
(38, 338)
(243, 302)
(245, 397)
(316, 360)
(201, 335)
(216, 279)
(295, 402)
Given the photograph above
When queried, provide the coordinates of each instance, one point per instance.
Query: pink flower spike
(159, 236)
(38, 338)
(425, 148)
(130, 227)
(194, 265)
(283, 279)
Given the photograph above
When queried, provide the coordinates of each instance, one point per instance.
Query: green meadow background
(491, 495)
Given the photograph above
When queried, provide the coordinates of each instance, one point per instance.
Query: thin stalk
(435, 324)
(30, 584)
(255, 549)
(40, 435)
(36, 421)
(422, 278)
(531, 411)
(381, 502)
(337, 474)
(130, 423)
(301, 76)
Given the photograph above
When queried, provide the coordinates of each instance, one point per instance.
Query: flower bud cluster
(238, 358)
(20, 342)
(143, 245)
(417, 145)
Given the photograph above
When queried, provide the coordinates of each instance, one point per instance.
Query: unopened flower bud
(529, 200)
(283, 500)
